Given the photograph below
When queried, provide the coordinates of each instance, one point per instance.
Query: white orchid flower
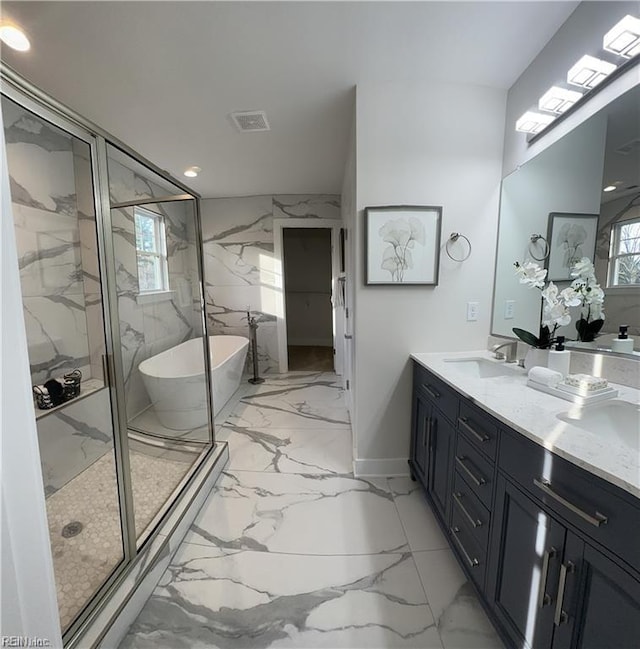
(530, 273)
(570, 296)
(584, 269)
(555, 314)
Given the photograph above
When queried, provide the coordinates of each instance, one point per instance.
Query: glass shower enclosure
(111, 274)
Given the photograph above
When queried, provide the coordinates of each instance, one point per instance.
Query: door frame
(281, 311)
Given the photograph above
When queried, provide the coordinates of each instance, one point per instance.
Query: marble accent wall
(239, 268)
(52, 200)
(150, 325)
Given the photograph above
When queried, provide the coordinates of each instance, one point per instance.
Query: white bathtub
(174, 379)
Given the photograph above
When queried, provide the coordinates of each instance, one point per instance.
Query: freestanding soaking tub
(174, 379)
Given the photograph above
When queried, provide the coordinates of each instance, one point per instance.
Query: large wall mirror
(564, 186)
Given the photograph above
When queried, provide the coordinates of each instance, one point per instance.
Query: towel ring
(547, 248)
(452, 239)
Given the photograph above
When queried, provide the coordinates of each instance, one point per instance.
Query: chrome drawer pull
(596, 521)
(561, 616)
(479, 436)
(472, 562)
(476, 522)
(427, 388)
(478, 481)
(543, 598)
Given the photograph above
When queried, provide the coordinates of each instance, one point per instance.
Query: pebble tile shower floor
(291, 550)
(83, 561)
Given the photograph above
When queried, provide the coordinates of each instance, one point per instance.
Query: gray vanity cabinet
(432, 438)
(550, 588)
(553, 550)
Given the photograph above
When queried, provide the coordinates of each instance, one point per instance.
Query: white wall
(28, 596)
(581, 34)
(421, 144)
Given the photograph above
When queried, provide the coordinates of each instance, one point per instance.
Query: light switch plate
(509, 309)
(472, 311)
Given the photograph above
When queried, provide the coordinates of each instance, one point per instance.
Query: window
(624, 261)
(151, 251)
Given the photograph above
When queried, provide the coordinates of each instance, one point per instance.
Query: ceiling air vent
(629, 147)
(254, 120)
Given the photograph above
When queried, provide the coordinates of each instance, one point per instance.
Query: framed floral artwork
(402, 244)
(571, 237)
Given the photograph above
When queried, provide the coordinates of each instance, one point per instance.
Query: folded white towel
(545, 376)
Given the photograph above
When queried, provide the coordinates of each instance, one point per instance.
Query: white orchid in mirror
(401, 235)
(584, 291)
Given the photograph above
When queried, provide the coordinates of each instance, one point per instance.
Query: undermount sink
(480, 368)
(616, 418)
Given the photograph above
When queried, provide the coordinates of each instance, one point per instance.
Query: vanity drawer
(472, 555)
(436, 390)
(473, 511)
(479, 427)
(600, 510)
(476, 470)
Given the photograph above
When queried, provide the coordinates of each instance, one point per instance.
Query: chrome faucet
(510, 354)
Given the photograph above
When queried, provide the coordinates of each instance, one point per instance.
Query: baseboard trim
(389, 467)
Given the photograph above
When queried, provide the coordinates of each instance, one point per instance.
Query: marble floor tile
(235, 600)
(461, 620)
(288, 450)
(303, 514)
(419, 522)
(315, 406)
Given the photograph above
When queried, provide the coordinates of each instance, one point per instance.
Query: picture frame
(402, 245)
(571, 237)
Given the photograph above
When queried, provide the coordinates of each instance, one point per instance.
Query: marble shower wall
(238, 262)
(150, 325)
(53, 209)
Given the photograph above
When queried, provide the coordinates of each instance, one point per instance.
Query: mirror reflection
(579, 198)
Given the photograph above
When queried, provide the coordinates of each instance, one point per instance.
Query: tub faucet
(510, 353)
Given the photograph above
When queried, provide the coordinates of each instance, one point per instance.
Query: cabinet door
(440, 462)
(526, 553)
(420, 437)
(598, 603)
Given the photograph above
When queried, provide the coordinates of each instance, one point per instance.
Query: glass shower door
(50, 165)
(162, 352)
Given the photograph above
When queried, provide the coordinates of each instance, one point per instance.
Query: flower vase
(536, 358)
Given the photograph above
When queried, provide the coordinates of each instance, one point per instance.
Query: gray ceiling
(164, 76)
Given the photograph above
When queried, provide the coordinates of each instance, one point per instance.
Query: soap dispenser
(559, 358)
(622, 343)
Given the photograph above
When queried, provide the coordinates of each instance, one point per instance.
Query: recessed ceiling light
(609, 188)
(532, 122)
(557, 100)
(192, 172)
(588, 72)
(624, 38)
(14, 37)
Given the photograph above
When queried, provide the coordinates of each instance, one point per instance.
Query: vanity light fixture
(589, 71)
(609, 188)
(557, 100)
(624, 38)
(12, 36)
(192, 172)
(532, 122)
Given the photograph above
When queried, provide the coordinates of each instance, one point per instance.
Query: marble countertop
(533, 414)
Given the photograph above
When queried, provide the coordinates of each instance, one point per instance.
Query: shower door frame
(25, 94)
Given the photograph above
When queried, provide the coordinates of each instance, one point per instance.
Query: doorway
(308, 311)
(307, 281)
